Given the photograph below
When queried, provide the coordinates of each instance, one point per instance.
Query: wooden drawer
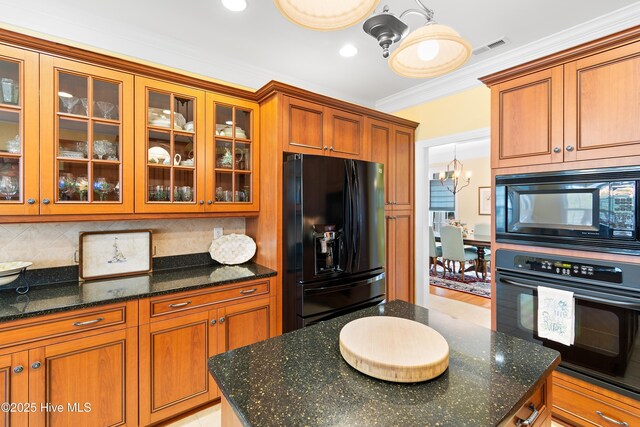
(160, 307)
(73, 322)
(539, 402)
(581, 406)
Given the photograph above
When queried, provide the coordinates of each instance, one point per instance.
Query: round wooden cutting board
(394, 349)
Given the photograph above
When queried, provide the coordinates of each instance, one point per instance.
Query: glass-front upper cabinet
(86, 139)
(18, 134)
(232, 154)
(170, 148)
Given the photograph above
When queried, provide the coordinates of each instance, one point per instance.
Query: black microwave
(594, 210)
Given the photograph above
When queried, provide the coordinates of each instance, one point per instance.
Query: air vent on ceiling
(490, 46)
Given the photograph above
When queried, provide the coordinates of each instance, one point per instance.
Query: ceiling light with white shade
(235, 5)
(326, 15)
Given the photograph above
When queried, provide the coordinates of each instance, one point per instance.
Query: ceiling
(259, 44)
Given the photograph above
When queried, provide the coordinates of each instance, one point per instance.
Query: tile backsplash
(55, 244)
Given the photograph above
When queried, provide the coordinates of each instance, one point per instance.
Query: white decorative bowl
(9, 271)
(232, 249)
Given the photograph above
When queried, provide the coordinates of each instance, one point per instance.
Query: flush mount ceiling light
(326, 15)
(235, 5)
(429, 51)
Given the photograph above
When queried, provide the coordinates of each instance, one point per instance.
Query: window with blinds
(441, 199)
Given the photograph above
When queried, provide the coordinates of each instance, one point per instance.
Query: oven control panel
(556, 267)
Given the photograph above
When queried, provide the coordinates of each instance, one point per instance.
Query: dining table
(480, 241)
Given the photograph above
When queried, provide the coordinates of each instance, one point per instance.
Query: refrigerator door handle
(348, 219)
(356, 213)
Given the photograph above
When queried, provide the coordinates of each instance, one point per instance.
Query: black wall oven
(594, 210)
(606, 350)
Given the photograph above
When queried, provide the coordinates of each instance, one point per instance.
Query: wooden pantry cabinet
(399, 267)
(86, 359)
(576, 110)
(313, 128)
(178, 333)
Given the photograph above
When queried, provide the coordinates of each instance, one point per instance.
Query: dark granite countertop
(72, 295)
(300, 378)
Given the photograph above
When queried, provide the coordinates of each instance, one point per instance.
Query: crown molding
(467, 77)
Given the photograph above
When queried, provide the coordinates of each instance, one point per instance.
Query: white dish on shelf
(158, 155)
(232, 249)
(188, 126)
(71, 154)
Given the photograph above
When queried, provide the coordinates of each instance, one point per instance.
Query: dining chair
(453, 249)
(483, 229)
(435, 251)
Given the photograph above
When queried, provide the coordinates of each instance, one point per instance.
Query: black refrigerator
(334, 238)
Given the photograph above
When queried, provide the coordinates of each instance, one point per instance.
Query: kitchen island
(300, 378)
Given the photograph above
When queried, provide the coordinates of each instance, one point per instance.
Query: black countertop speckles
(300, 378)
(47, 299)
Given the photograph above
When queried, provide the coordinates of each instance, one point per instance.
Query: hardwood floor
(460, 296)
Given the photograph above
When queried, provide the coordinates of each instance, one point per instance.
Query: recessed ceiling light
(348, 51)
(235, 5)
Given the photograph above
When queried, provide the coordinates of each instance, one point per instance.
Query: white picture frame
(484, 201)
(114, 254)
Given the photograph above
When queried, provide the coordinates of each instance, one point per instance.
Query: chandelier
(429, 51)
(455, 179)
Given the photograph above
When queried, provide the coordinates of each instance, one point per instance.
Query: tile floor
(209, 417)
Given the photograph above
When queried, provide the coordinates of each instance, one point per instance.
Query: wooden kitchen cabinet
(14, 387)
(19, 146)
(170, 147)
(394, 146)
(86, 138)
(99, 372)
(526, 119)
(602, 105)
(399, 267)
(178, 333)
(232, 154)
(579, 403)
(311, 128)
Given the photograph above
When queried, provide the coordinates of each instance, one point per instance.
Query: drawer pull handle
(248, 291)
(612, 421)
(532, 418)
(89, 322)
(181, 304)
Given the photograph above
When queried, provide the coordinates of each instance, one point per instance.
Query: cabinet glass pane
(224, 120)
(72, 139)
(224, 187)
(159, 147)
(224, 154)
(106, 182)
(243, 187)
(159, 184)
(106, 141)
(106, 100)
(10, 141)
(183, 151)
(183, 113)
(72, 181)
(72, 94)
(9, 82)
(243, 124)
(9, 178)
(243, 156)
(159, 109)
(183, 188)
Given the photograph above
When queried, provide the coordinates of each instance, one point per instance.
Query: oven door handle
(623, 304)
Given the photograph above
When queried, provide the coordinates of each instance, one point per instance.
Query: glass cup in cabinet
(71, 90)
(107, 99)
(9, 82)
(9, 186)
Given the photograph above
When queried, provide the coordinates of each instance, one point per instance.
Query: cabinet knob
(213, 322)
(556, 149)
(222, 320)
(46, 201)
(201, 202)
(209, 202)
(36, 365)
(18, 369)
(31, 201)
(325, 148)
(569, 148)
(330, 148)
